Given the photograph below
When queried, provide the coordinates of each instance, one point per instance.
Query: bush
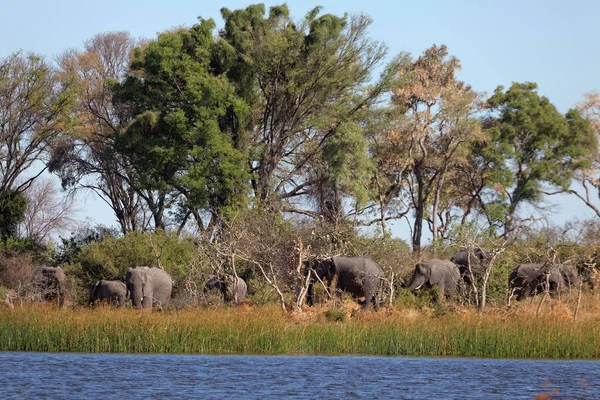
(336, 315)
(112, 257)
(16, 272)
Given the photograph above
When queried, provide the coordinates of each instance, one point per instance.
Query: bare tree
(34, 108)
(589, 177)
(47, 212)
(88, 158)
(436, 121)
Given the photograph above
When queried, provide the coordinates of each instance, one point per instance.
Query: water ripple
(75, 376)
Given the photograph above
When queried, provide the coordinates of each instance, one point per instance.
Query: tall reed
(266, 330)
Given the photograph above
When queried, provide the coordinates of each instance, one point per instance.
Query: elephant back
(361, 264)
(567, 273)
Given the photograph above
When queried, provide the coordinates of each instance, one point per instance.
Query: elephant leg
(375, 300)
(370, 301)
(441, 291)
(310, 295)
(147, 300)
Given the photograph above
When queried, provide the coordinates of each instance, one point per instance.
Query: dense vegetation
(250, 148)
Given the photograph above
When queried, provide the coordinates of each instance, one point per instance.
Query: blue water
(96, 376)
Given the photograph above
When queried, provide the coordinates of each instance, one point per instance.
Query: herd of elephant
(361, 277)
(145, 287)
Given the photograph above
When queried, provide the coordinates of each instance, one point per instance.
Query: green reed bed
(268, 331)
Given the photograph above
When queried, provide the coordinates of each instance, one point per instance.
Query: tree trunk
(419, 211)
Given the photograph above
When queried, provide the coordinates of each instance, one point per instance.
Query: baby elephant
(232, 288)
(113, 292)
(443, 273)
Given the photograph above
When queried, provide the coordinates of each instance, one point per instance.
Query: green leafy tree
(540, 145)
(308, 86)
(181, 142)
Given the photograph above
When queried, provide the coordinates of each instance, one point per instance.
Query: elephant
(49, 284)
(530, 279)
(148, 287)
(475, 259)
(114, 292)
(359, 276)
(232, 288)
(443, 273)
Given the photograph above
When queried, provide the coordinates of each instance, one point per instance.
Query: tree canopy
(300, 118)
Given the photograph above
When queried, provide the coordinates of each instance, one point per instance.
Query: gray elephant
(113, 292)
(476, 259)
(49, 284)
(531, 279)
(148, 287)
(359, 276)
(443, 273)
(231, 287)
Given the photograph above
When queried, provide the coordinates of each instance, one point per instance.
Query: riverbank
(498, 333)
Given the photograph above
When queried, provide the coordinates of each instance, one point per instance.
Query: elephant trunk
(137, 296)
(417, 282)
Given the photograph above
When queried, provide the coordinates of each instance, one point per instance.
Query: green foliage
(187, 119)
(12, 212)
(305, 81)
(260, 293)
(540, 146)
(345, 154)
(336, 315)
(112, 257)
(70, 248)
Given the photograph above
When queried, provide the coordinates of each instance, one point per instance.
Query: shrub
(16, 272)
(112, 257)
(336, 315)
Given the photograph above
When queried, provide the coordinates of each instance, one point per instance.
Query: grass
(499, 333)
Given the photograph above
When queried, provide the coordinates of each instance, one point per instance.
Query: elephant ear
(424, 269)
(94, 288)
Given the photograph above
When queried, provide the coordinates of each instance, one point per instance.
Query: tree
(540, 146)
(12, 213)
(87, 159)
(388, 149)
(35, 107)
(434, 128)
(589, 177)
(307, 84)
(181, 141)
(47, 212)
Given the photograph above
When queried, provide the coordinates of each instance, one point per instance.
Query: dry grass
(448, 331)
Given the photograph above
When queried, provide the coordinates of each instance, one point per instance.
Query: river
(131, 376)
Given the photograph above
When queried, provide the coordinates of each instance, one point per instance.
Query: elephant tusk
(418, 287)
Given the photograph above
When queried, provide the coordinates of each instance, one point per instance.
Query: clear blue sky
(553, 43)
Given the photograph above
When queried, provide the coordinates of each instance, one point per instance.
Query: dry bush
(16, 272)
